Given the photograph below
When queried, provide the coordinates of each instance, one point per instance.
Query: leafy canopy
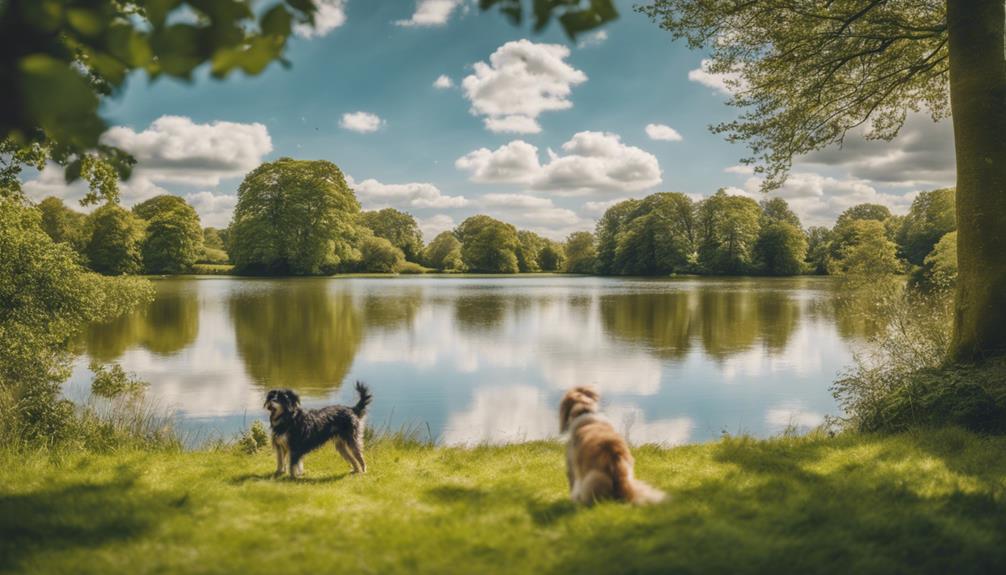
(806, 72)
(294, 217)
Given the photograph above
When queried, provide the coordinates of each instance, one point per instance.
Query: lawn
(926, 502)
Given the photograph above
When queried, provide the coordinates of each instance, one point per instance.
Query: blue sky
(596, 98)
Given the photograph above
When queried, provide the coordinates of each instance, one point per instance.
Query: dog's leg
(356, 448)
(340, 446)
(296, 465)
(280, 460)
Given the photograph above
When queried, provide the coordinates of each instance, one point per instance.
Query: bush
(411, 268)
(904, 380)
(254, 438)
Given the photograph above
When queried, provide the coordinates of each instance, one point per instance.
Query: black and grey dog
(296, 432)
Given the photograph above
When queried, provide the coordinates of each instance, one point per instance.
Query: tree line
(297, 217)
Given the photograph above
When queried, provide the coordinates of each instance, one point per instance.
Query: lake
(486, 359)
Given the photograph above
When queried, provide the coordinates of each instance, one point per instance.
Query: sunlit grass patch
(930, 501)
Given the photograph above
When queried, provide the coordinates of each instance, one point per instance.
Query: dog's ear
(588, 391)
(293, 398)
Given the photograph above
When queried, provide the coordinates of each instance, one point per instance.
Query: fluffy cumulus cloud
(591, 162)
(330, 15)
(819, 199)
(431, 13)
(176, 149)
(215, 210)
(534, 213)
(443, 82)
(178, 153)
(362, 122)
(922, 155)
(726, 84)
(434, 225)
(374, 194)
(662, 132)
(521, 80)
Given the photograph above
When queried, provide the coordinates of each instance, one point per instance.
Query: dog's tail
(628, 488)
(360, 409)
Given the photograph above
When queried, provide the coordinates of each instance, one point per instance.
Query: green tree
(941, 263)
(48, 297)
(488, 245)
(607, 229)
(807, 72)
(932, 215)
(777, 210)
(552, 257)
(868, 252)
(294, 217)
(845, 232)
(728, 228)
(444, 253)
(581, 254)
(780, 249)
(115, 238)
(397, 227)
(61, 223)
(657, 237)
(173, 239)
(818, 249)
(379, 255)
(214, 250)
(529, 246)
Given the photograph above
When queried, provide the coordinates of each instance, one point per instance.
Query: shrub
(254, 438)
(410, 268)
(903, 378)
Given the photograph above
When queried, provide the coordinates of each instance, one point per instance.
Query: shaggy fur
(296, 432)
(598, 461)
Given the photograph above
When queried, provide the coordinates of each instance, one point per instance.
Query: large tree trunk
(978, 99)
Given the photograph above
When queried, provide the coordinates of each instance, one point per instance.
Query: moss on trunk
(978, 96)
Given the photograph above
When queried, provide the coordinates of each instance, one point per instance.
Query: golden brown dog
(598, 462)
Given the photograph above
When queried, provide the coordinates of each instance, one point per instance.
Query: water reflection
(296, 335)
(726, 320)
(165, 326)
(486, 359)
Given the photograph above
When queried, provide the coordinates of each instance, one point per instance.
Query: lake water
(473, 359)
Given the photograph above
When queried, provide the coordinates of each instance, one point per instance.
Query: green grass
(212, 269)
(919, 502)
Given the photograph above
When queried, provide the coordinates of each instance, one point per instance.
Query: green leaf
(276, 22)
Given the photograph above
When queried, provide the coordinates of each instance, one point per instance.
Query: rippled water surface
(486, 359)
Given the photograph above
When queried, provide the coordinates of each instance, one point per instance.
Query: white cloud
(593, 162)
(330, 15)
(362, 122)
(598, 208)
(534, 213)
(521, 80)
(443, 82)
(374, 194)
(820, 199)
(662, 132)
(514, 162)
(526, 417)
(921, 156)
(727, 84)
(593, 39)
(431, 13)
(434, 225)
(176, 149)
(214, 210)
(741, 169)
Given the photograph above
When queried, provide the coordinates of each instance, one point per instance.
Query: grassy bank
(922, 502)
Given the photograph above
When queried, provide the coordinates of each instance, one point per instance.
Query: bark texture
(978, 99)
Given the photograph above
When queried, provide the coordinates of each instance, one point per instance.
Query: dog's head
(280, 401)
(576, 402)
